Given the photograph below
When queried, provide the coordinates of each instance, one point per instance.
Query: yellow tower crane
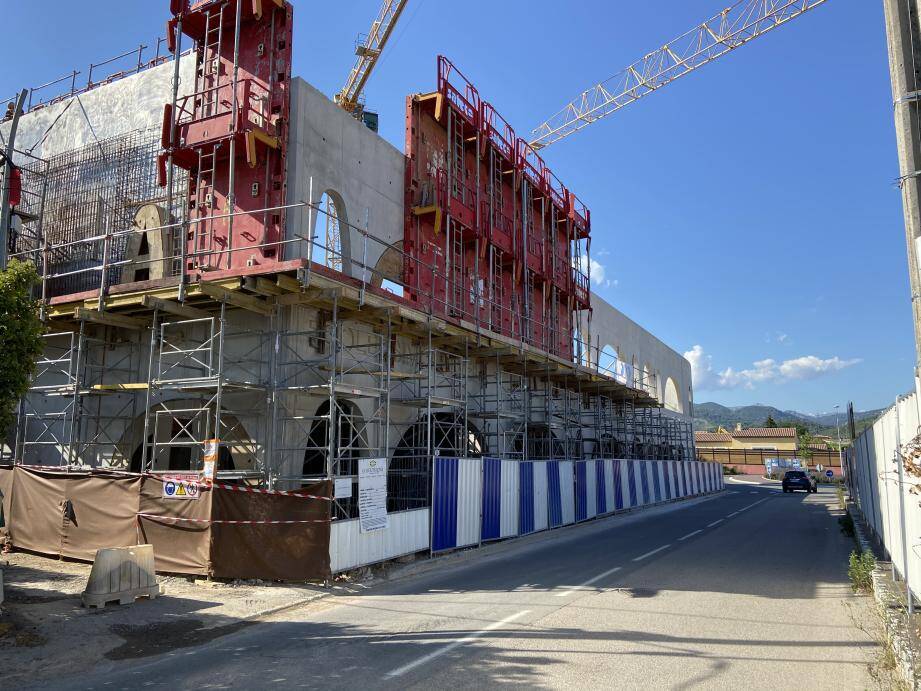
(733, 27)
(368, 50)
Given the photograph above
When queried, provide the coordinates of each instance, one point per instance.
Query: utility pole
(5, 210)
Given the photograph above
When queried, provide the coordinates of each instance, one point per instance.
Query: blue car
(798, 479)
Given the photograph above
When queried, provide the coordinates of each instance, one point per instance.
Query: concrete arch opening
(607, 360)
(331, 233)
(672, 400)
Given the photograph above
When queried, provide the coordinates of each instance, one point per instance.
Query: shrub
(839, 490)
(20, 336)
(860, 570)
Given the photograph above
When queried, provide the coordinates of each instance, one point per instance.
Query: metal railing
(436, 296)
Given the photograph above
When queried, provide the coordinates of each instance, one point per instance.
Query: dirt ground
(46, 632)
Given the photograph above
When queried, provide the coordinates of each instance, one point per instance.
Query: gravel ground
(45, 632)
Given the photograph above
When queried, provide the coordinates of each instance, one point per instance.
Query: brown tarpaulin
(294, 552)
(74, 514)
(6, 488)
(179, 546)
(36, 520)
(100, 509)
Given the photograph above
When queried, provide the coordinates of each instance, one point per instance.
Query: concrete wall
(359, 168)
(132, 103)
(636, 346)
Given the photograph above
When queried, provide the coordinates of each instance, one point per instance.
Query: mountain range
(709, 416)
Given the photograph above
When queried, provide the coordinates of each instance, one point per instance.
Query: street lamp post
(838, 433)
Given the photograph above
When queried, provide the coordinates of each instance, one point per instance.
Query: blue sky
(747, 214)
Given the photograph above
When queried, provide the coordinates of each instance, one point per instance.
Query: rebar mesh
(95, 189)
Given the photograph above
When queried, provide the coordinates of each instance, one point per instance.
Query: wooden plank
(263, 286)
(175, 308)
(135, 386)
(247, 302)
(289, 283)
(108, 319)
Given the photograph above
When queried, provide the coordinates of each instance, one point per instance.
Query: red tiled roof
(788, 432)
(711, 436)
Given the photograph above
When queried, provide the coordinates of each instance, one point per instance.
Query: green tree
(804, 439)
(20, 336)
(770, 423)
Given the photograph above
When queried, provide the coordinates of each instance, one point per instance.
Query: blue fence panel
(666, 467)
(684, 479)
(492, 499)
(581, 491)
(525, 498)
(444, 505)
(554, 498)
(601, 491)
(618, 486)
(631, 481)
(644, 481)
(656, 485)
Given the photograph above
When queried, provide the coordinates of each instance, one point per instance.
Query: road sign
(819, 467)
(829, 473)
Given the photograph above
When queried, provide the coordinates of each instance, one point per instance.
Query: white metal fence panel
(591, 489)
(567, 492)
(540, 496)
(406, 532)
(469, 498)
(508, 515)
(609, 490)
(874, 481)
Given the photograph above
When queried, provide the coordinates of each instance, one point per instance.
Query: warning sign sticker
(180, 489)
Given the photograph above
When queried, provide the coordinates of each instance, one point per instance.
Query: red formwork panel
(228, 225)
(512, 246)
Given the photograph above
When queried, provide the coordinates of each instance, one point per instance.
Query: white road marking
(734, 513)
(696, 532)
(649, 554)
(753, 492)
(400, 671)
(717, 522)
(746, 508)
(589, 582)
(743, 482)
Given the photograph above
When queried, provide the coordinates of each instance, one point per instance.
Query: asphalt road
(744, 590)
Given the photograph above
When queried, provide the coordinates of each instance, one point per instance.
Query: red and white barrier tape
(180, 519)
(257, 490)
(179, 477)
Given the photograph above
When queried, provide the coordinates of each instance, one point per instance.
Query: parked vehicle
(798, 479)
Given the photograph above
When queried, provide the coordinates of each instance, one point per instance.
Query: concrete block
(121, 574)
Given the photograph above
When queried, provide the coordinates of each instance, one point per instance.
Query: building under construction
(232, 265)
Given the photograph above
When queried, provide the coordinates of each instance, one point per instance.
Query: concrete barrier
(121, 574)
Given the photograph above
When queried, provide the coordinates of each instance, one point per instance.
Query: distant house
(751, 439)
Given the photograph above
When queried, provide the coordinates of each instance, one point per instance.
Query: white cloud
(597, 273)
(810, 366)
(705, 377)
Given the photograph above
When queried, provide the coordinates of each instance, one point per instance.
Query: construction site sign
(372, 494)
(180, 489)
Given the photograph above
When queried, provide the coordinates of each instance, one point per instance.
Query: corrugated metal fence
(478, 500)
(873, 481)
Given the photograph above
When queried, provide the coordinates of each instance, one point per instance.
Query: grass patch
(860, 571)
(842, 502)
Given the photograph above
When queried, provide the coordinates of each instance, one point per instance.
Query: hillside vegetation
(709, 416)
